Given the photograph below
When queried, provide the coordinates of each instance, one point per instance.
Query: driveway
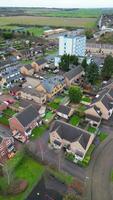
(98, 184)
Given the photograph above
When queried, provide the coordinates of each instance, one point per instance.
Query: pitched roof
(100, 95)
(4, 134)
(27, 115)
(74, 72)
(93, 118)
(111, 92)
(50, 83)
(28, 66)
(71, 133)
(64, 109)
(32, 91)
(41, 62)
(107, 102)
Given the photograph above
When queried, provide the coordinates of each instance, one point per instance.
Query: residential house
(23, 123)
(73, 139)
(73, 75)
(21, 104)
(7, 149)
(32, 94)
(93, 115)
(64, 111)
(52, 85)
(11, 75)
(104, 104)
(27, 70)
(39, 65)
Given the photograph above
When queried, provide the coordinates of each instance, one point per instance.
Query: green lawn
(4, 120)
(102, 136)
(86, 99)
(112, 176)
(28, 170)
(81, 108)
(91, 129)
(37, 132)
(25, 62)
(74, 120)
(87, 158)
(53, 51)
(62, 176)
(36, 31)
(55, 103)
(49, 116)
(9, 112)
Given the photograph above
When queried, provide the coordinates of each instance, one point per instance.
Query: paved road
(98, 185)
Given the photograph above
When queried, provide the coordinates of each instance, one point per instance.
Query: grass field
(48, 21)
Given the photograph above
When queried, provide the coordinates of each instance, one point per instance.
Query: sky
(58, 3)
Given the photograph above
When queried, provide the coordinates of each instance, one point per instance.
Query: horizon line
(56, 7)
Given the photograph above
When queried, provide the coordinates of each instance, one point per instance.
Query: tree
(71, 196)
(75, 94)
(65, 61)
(89, 33)
(84, 64)
(107, 70)
(74, 60)
(92, 73)
(7, 35)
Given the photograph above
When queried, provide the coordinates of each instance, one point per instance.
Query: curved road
(98, 183)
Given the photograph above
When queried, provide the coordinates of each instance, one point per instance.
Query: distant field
(49, 21)
(74, 13)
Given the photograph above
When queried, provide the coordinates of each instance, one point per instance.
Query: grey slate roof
(111, 92)
(27, 115)
(64, 109)
(32, 92)
(41, 62)
(50, 83)
(28, 67)
(71, 133)
(107, 103)
(100, 95)
(74, 72)
(93, 118)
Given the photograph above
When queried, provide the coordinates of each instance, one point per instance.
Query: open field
(80, 13)
(49, 21)
(55, 12)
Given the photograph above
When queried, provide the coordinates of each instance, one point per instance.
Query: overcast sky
(58, 3)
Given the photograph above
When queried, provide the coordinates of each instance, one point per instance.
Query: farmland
(48, 21)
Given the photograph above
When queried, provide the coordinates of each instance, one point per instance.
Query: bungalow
(39, 65)
(73, 75)
(23, 123)
(7, 149)
(64, 111)
(52, 85)
(73, 139)
(27, 70)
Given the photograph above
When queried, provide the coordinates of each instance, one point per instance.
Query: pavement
(98, 183)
